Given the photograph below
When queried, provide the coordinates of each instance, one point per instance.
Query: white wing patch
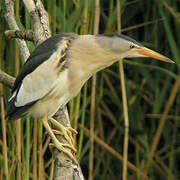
(40, 82)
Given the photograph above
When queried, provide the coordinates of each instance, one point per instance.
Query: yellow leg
(60, 146)
(67, 132)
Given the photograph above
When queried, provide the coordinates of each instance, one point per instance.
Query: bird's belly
(47, 107)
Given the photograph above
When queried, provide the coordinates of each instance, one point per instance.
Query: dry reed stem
(108, 113)
(156, 165)
(35, 134)
(112, 151)
(141, 25)
(159, 116)
(126, 121)
(18, 123)
(92, 112)
(51, 171)
(101, 134)
(111, 87)
(93, 92)
(124, 98)
(5, 150)
(41, 162)
(46, 144)
(171, 10)
(164, 117)
(18, 148)
(162, 121)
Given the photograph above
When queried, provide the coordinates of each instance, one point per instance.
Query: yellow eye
(132, 46)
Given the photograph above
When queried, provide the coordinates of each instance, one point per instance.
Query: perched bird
(57, 69)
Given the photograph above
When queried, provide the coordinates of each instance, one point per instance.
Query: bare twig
(26, 35)
(6, 79)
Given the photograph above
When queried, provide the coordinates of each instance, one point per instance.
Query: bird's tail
(14, 112)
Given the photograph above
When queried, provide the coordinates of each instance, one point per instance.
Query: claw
(66, 132)
(62, 149)
(57, 132)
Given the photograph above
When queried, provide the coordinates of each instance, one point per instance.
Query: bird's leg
(67, 132)
(60, 146)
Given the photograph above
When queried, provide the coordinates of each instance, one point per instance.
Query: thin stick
(35, 134)
(40, 142)
(124, 98)
(18, 123)
(92, 111)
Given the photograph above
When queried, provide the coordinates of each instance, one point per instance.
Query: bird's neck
(88, 57)
(85, 59)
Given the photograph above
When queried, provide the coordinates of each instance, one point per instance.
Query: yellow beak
(152, 54)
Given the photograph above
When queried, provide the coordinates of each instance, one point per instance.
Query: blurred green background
(152, 89)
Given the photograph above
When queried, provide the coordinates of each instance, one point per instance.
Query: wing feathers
(39, 83)
(39, 75)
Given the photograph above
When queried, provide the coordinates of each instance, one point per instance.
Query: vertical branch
(124, 97)
(93, 92)
(10, 19)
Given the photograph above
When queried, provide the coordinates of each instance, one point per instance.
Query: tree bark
(65, 168)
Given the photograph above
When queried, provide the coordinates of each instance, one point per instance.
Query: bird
(58, 68)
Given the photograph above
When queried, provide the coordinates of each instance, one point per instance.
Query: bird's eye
(132, 46)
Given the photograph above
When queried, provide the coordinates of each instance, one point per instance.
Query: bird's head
(126, 47)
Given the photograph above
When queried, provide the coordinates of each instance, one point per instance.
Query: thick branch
(64, 167)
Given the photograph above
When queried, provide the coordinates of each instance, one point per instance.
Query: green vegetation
(152, 89)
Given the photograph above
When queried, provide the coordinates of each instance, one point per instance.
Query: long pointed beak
(152, 54)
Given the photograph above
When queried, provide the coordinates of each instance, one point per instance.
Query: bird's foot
(63, 131)
(67, 132)
(62, 147)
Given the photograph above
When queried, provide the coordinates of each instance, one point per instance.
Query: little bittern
(57, 69)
